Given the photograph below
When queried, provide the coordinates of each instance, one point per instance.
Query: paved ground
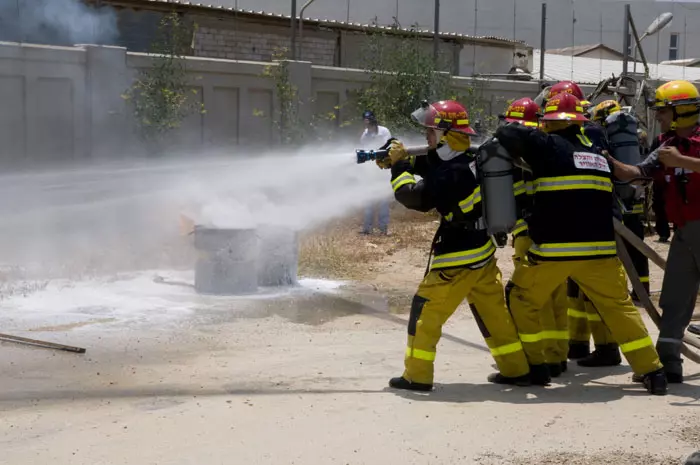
(297, 378)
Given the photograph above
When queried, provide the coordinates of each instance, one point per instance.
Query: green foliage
(292, 130)
(161, 97)
(403, 72)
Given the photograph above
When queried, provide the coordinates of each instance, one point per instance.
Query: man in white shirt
(373, 137)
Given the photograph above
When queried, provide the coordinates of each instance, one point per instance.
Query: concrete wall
(64, 103)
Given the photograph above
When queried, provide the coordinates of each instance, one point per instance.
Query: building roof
(579, 50)
(463, 38)
(593, 70)
(683, 62)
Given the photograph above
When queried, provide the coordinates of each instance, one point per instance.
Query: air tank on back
(495, 170)
(622, 135)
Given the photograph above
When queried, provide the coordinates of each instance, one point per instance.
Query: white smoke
(129, 215)
(65, 22)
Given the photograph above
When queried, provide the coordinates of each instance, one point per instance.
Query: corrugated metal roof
(330, 23)
(593, 70)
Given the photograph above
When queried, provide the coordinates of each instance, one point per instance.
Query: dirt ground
(301, 378)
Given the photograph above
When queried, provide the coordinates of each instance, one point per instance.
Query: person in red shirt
(675, 166)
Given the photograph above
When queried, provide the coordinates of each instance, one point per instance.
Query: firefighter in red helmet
(569, 87)
(576, 243)
(463, 265)
(554, 322)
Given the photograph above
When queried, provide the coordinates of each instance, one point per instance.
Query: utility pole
(294, 30)
(626, 42)
(543, 35)
(436, 38)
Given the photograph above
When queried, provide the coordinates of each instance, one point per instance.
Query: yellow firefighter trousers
(438, 297)
(553, 317)
(605, 283)
(584, 321)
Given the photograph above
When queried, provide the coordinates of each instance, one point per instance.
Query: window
(673, 47)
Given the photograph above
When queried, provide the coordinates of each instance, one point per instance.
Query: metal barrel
(227, 261)
(279, 256)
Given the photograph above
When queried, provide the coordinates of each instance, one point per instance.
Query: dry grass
(339, 251)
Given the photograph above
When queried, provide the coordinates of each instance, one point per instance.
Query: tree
(161, 97)
(403, 72)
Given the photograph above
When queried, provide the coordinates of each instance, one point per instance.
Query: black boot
(539, 375)
(656, 382)
(607, 355)
(564, 367)
(578, 349)
(403, 383)
(498, 378)
(672, 378)
(554, 369)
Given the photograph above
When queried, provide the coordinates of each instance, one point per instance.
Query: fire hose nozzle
(363, 156)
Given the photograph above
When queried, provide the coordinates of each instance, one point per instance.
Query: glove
(397, 152)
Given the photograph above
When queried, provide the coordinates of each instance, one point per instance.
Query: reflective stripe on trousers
(573, 313)
(636, 345)
(519, 228)
(464, 258)
(542, 335)
(574, 249)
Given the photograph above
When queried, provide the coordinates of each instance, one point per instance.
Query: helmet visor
(425, 116)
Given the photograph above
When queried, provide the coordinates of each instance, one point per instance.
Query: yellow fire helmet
(604, 109)
(683, 97)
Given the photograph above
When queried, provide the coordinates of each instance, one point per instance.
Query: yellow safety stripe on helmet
(506, 349)
(531, 124)
(593, 317)
(465, 257)
(636, 345)
(573, 249)
(467, 204)
(402, 179)
(555, 108)
(519, 228)
(573, 313)
(563, 183)
(644, 279)
(519, 188)
(420, 354)
(459, 122)
(516, 114)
